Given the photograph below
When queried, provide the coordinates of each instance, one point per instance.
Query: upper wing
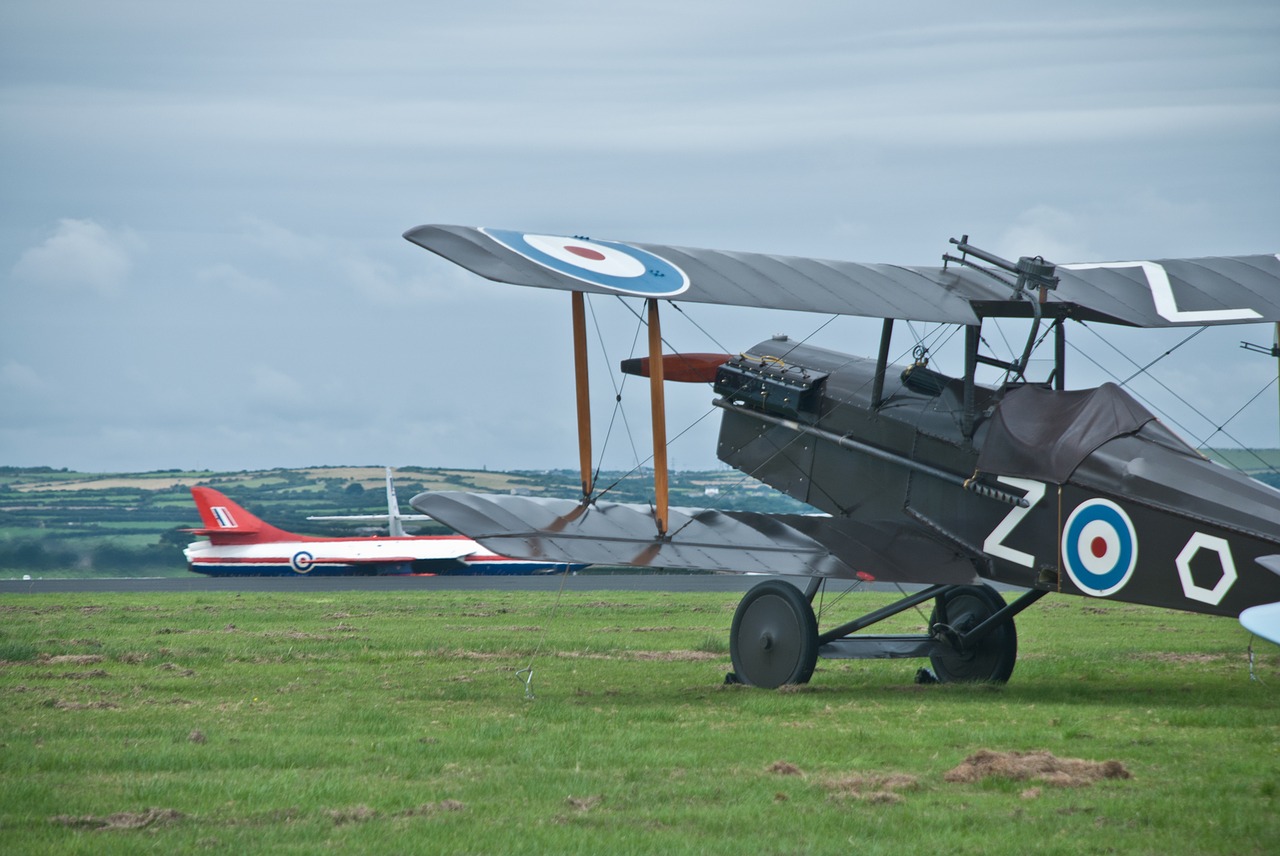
(1169, 292)
(565, 531)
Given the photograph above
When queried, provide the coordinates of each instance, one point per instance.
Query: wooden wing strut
(583, 390)
(658, 407)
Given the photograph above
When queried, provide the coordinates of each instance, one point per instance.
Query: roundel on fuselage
(1099, 547)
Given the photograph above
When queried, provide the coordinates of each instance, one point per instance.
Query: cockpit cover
(1044, 434)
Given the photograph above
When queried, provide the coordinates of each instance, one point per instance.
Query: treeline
(105, 558)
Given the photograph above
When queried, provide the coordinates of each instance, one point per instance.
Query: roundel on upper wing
(1099, 547)
(608, 264)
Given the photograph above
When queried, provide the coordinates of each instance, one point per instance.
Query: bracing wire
(1201, 443)
(690, 319)
(1270, 383)
(525, 675)
(618, 410)
(1143, 369)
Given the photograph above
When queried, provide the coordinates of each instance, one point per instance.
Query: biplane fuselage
(924, 478)
(1117, 526)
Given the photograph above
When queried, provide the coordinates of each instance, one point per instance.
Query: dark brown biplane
(925, 478)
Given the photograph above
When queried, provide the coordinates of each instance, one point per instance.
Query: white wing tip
(1263, 620)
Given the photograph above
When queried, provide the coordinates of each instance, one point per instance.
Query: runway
(733, 583)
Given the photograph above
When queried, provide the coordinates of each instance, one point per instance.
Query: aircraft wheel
(774, 636)
(992, 659)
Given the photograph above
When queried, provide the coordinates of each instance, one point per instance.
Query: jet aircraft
(238, 543)
(926, 477)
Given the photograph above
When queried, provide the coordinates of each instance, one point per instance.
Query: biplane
(925, 478)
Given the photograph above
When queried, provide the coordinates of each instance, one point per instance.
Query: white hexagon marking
(1200, 541)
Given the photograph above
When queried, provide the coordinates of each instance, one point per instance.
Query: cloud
(283, 243)
(270, 385)
(1046, 231)
(226, 276)
(384, 284)
(80, 254)
(20, 377)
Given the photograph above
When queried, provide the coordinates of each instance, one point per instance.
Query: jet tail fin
(225, 522)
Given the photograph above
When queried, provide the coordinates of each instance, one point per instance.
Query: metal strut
(840, 643)
(1035, 279)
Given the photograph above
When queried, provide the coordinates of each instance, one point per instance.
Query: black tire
(990, 660)
(774, 637)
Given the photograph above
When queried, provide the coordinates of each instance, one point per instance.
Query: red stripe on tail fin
(225, 522)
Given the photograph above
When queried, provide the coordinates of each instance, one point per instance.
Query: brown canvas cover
(1044, 434)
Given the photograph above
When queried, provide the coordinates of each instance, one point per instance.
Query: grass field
(397, 723)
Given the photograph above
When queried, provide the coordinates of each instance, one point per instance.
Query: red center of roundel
(586, 253)
(1098, 547)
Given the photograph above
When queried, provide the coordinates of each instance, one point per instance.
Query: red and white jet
(238, 543)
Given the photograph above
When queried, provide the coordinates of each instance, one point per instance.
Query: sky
(201, 261)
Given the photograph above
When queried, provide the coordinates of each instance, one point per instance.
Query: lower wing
(601, 533)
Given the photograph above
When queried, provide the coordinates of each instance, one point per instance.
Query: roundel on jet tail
(1099, 547)
(608, 264)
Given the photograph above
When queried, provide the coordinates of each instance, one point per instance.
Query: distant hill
(1255, 462)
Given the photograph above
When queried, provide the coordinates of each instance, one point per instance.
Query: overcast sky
(200, 254)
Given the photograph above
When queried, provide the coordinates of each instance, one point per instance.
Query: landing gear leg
(774, 637)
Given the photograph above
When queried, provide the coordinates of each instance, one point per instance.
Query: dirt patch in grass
(120, 820)
(583, 803)
(674, 656)
(881, 788)
(174, 667)
(63, 704)
(71, 659)
(296, 635)
(355, 814)
(1040, 766)
(645, 656)
(784, 768)
(1184, 658)
(85, 676)
(362, 813)
(461, 654)
(433, 808)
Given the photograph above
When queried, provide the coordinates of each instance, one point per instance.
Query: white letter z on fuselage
(994, 545)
